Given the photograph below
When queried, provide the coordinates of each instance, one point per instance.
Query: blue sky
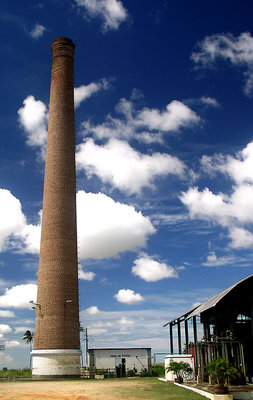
(164, 150)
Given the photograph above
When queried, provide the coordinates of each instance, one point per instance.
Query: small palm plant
(28, 338)
(221, 370)
(179, 368)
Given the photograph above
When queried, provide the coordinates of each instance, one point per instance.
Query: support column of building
(57, 344)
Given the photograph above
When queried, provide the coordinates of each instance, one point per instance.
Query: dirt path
(64, 390)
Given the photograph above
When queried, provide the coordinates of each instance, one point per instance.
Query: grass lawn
(152, 388)
(106, 389)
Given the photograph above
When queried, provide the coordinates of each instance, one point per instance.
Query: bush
(131, 372)
(158, 370)
(144, 372)
(16, 373)
(221, 370)
(100, 371)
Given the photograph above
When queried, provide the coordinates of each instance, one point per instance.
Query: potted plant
(221, 370)
(179, 368)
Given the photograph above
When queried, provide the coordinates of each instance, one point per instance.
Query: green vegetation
(221, 370)
(15, 373)
(179, 368)
(145, 388)
(158, 370)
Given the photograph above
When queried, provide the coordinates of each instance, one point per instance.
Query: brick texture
(57, 321)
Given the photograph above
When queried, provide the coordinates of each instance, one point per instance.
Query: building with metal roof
(227, 320)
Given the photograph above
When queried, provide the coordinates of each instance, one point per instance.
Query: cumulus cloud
(238, 167)
(233, 211)
(128, 296)
(33, 117)
(11, 217)
(37, 31)
(85, 275)
(19, 296)
(30, 239)
(110, 228)
(5, 329)
(146, 125)
(112, 12)
(151, 270)
(238, 51)
(107, 228)
(119, 164)
(176, 115)
(92, 310)
(7, 314)
(240, 238)
(85, 91)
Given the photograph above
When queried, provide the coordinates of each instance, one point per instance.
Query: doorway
(120, 366)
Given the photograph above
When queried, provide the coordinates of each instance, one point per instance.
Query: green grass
(16, 373)
(149, 388)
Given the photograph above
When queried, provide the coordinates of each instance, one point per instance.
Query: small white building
(120, 360)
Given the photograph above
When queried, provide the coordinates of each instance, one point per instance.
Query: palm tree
(28, 338)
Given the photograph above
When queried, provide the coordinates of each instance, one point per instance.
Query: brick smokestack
(56, 341)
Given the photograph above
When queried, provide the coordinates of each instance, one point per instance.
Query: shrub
(158, 370)
(221, 369)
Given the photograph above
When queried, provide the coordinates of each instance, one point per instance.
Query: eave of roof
(209, 303)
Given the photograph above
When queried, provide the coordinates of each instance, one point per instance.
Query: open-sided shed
(227, 320)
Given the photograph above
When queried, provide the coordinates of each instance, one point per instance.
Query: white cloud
(7, 314)
(206, 205)
(37, 31)
(176, 116)
(97, 331)
(85, 275)
(19, 296)
(5, 329)
(11, 343)
(236, 50)
(238, 167)
(107, 228)
(92, 310)
(123, 167)
(213, 261)
(85, 91)
(111, 11)
(151, 270)
(11, 217)
(126, 321)
(210, 101)
(30, 236)
(234, 210)
(146, 125)
(33, 117)
(240, 238)
(128, 296)
(21, 329)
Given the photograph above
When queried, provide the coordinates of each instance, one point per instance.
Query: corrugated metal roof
(209, 303)
(215, 299)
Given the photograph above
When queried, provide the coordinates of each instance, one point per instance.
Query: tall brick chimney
(56, 341)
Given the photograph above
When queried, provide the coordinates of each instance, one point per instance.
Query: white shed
(120, 360)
